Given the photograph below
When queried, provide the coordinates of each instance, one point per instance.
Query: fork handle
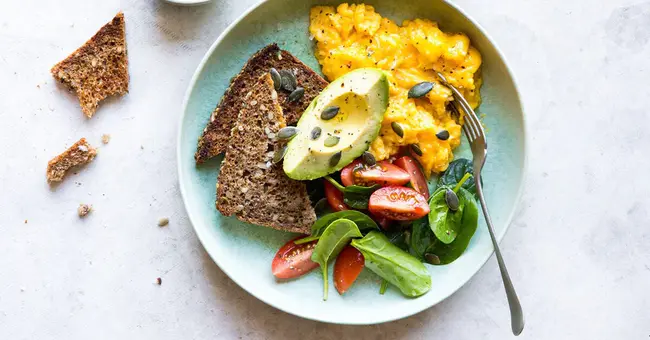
(516, 313)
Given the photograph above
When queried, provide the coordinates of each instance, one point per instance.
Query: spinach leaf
(400, 238)
(334, 238)
(422, 237)
(393, 264)
(455, 172)
(322, 208)
(444, 223)
(357, 196)
(447, 253)
(362, 221)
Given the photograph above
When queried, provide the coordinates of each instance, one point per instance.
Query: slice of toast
(79, 153)
(215, 135)
(250, 186)
(97, 69)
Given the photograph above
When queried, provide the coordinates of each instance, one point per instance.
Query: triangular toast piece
(250, 186)
(99, 68)
(215, 136)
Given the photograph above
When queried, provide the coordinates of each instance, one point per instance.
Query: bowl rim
(202, 236)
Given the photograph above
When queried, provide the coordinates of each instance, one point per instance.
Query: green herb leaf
(444, 223)
(455, 172)
(363, 221)
(393, 264)
(448, 253)
(357, 196)
(334, 239)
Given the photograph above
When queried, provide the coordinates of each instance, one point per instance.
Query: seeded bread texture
(97, 69)
(78, 154)
(215, 135)
(250, 186)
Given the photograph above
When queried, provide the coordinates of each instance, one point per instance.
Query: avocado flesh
(362, 96)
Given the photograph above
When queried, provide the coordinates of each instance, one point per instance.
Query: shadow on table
(265, 322)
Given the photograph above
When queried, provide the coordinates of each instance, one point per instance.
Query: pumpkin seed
(420, 89)
(397, 128)
(336, 158)
(369, 159)
(416, 149)
(277, 78)
(296, 95)
(331, 141)
(315, 133)
(329, 112)
(279, 154)
(452, 200)
(288, 132)
(288, 80)
(443, 135)
(431, 258)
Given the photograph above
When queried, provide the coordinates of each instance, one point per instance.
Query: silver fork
(478, 143)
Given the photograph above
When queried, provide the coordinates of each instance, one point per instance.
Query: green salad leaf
(335, 237)
(455, 172)
(363, 221)
(357, 197)
(393, 264)
(421, 237)
(426, 246)
(444, 223)
(448, 253)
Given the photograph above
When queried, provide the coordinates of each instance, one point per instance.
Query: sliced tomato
(398, 203)
(293, 260)
(383, 173)
(334, 197)
(347, 178)
(418, 181)
(347, 268)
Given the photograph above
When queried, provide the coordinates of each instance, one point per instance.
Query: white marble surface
(578, 250)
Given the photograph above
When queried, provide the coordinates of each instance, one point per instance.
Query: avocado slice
(361, 97)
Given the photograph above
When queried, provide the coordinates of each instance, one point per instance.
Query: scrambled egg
(355, 36)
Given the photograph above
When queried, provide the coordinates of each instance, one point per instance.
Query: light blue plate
(244, 252)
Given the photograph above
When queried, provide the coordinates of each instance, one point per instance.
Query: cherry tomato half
(398, 203)
(418, 181)
(347, 268)
(383, 173)
(293, 260)
(334, 197)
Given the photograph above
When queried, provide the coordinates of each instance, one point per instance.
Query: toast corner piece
(99, 68)
(79, 153)
(215, 136)
(250, 186)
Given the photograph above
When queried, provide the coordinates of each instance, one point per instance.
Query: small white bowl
(187, 2)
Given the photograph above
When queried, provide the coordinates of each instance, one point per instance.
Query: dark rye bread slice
(215, 135)
(250, 186)
(97, 69)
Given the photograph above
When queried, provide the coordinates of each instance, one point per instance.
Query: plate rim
(202, 236)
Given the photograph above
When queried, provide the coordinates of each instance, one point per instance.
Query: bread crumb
(141, 147)
(38, 86)
(25, 221)
(158, 281)
(106, 138)
(163, 222)
(84, 209)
